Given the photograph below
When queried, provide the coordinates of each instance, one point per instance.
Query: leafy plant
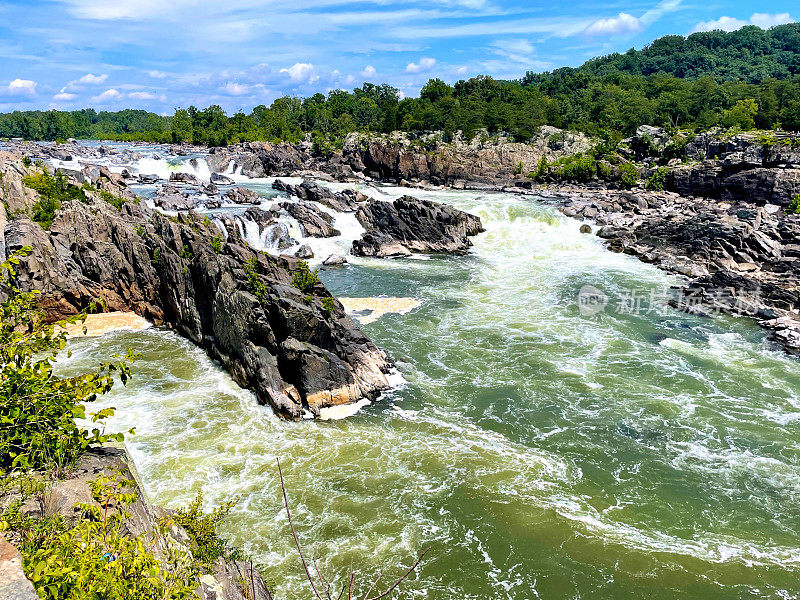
(328, 304)
(207, 545)
(38, 409)
(628, 175)
(186, 253)
(53, 190)
(256, 285)
(95, 558)
(658, 179)
(541, 169)
(156, 260)
(794, 206)
(303, 278)
(216, 243)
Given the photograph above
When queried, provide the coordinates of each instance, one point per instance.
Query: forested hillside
(742, 80)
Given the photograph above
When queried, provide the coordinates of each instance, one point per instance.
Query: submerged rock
(410, 225)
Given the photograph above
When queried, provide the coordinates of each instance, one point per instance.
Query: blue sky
(161, 54)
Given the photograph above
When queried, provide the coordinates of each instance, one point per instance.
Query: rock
(184, 178)
(586, 228)
(13, 583)
(241, 195)
(210, 189)
(304, 252)
(147, 179)
(275, 343)
(410, 225)
(221, 179)
(335, 260)
(308, 190)
(313, 221)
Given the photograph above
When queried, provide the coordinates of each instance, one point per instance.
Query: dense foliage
(37, 408)
(745, 79)
(94, 557)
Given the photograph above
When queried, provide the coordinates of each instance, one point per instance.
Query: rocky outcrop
(431, 159)
(13, 583)
(740, 258)
(238, 304)
(345, 201)
(733, 181)
(241, 195)
(313, 221)
(410, 225)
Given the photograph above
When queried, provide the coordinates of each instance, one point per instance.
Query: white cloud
(142, 96)
(107, 96)
(462, 70)
(424, 65)
(64, 96)
(763, 20)
(235, 89)
(91, 79)
(621, 24)
(302, 73)
(369, 71)
(158, 74)
(22, 87)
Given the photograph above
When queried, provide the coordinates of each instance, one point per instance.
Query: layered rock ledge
(297, 350)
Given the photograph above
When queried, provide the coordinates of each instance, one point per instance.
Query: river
(540, 448)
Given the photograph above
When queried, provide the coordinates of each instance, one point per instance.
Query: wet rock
(147, 179)
(335, 260)
(586, 228)
(410, 225)
(308, 190)
(241, 195)
(184, 178)
(313, 221)
(304, 252)
(221, 179)
(268, 337)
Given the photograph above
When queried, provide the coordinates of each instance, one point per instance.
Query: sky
(163, 54)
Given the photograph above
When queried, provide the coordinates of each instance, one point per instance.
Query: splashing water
(539, 452)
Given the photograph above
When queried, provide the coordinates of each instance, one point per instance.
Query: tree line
(744, 79)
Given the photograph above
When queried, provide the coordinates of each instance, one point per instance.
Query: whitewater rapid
(539, 451)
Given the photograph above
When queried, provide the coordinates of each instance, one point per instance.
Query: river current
(541, 447)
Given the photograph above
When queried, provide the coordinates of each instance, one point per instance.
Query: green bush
(156, 260)
(794, 206)
(216, 243)
(541, 169)
(577, 167)
(657, 180)
(304, 279)
(256, 285)
(39, 409)
(207, 545)
(94, 558)
(53, 190)
(628, 175)
(328, 304)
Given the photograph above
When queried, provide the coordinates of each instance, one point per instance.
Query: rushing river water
(540, 452)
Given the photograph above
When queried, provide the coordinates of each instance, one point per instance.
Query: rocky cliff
(296, 349)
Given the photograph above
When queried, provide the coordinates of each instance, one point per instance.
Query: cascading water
(539, 451)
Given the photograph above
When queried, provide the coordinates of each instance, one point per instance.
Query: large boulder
(313, 221)
(412, 225)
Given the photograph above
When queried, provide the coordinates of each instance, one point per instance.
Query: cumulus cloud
(424, 65)
(369, 71)
(763, 20)
(158, 74)
(21, 87)
(142, 96)
(235, 89)
(91, 79)
(64, 96)
(302, 73)
(107, 96)
(621, 24)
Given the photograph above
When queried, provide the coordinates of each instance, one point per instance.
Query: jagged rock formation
(313, 221)
(344, 201)
(410, 225)
(741, 258)
(295, 352)
(430, 159)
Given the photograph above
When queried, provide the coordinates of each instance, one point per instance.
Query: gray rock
(304, 252)
(334, 260)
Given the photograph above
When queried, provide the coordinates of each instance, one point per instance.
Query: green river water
(540, 453)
